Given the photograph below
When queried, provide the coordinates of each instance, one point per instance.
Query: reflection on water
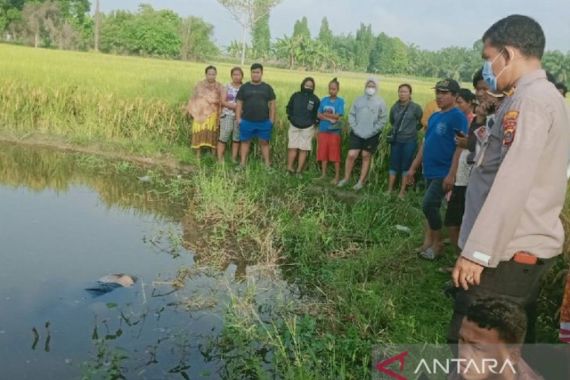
(66, 221)
(117, 184)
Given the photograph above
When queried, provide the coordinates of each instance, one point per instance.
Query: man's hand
(466, 273)
(448, 183)
(461, 142)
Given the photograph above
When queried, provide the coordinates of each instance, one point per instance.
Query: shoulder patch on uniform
(510, 127)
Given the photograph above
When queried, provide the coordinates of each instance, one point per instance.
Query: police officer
(511, 229)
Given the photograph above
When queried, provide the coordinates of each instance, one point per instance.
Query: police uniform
(515, 196)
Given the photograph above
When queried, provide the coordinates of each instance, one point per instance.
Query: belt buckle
(525, 258)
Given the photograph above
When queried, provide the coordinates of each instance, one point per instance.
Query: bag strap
(396, 130)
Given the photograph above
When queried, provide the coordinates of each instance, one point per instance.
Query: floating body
(107, 284)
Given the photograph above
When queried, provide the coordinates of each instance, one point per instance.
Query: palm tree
(289, 48)
(554, 62)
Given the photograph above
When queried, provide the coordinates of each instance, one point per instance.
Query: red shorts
(329, 147)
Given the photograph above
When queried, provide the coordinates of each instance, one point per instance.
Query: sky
(430, 24)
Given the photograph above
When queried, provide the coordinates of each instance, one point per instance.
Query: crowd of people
(247, 111)
(498, 155)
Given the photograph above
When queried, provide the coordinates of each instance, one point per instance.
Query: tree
(158, 33)
(457, 62)
(247, 13)
(301, 29)
(234, 49)
(97, 25)
(196, 36)
(155, 33)
(51, 23)
(10, 11)
(115, 32)
(76, 27)
(148, 32)
(12, 19)
(325, 33)
(343, 47)
(363, 47)
(288, 48)
(557, 64)
(39, 20)
(389, 55)
(75, 11)
(261, 37)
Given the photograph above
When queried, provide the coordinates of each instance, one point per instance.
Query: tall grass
(136, 102)
(70, 111)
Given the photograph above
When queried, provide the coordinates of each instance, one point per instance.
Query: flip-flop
(429, 254)
(358, 186)
(419, 250)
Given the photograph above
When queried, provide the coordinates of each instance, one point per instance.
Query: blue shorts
(402, 156)
(251, 129)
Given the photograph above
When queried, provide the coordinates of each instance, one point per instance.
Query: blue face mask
(489, 76)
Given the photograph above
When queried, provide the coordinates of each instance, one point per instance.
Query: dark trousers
(518, 282)
(432, 203)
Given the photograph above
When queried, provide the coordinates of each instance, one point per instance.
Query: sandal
(429, 254)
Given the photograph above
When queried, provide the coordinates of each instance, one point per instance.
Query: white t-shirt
(463, 169)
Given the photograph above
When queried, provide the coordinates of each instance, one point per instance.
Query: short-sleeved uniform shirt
(255, 99)
(328, 106)
(440, 145)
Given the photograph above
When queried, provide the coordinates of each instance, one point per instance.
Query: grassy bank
(346, 255)
(364, 284)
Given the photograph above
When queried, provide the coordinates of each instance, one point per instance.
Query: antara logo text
(447, 366)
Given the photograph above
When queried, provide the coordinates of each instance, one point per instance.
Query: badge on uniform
(482, 133)
(509, 127)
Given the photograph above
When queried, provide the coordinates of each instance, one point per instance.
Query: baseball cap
(448, 85)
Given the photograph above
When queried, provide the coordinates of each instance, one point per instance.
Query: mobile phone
(459, 133)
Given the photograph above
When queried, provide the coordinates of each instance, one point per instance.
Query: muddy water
(67, 220)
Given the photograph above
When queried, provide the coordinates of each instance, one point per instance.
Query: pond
(66, 220)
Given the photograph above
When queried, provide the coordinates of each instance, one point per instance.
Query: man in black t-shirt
(255, 114)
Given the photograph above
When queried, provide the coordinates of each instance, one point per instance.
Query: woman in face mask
(302, 112)
(367, 118)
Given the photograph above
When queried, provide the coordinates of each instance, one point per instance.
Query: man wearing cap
(439, 156)
(511, 230)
